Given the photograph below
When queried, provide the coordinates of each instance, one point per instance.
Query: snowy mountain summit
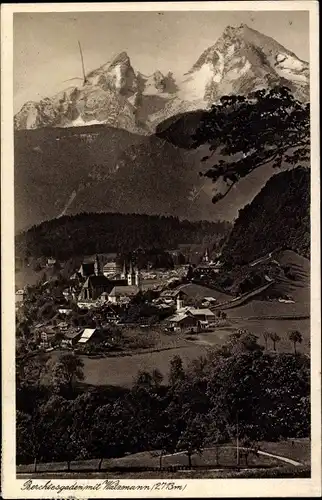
(241, 61)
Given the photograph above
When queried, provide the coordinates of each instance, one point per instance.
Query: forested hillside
(90, 233)
(277, 218)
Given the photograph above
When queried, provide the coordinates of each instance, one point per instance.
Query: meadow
(297, 450)
(282, 327)
(121, 371)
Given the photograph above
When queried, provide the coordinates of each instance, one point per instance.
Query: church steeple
(124, 273)
(206, 256)
(137, 277)
(97, 266)
(131, 275)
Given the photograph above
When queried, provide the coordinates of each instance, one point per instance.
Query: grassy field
(282, 327)
(263, 308)
(121, 370)
(297, 449)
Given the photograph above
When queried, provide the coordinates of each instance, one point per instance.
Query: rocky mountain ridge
(241, 61)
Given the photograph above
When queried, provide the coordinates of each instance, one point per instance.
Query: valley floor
(121, 369)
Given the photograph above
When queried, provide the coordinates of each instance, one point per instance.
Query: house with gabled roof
(87, 335)
(183, 321)
(119, 293)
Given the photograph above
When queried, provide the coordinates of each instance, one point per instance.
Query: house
(87, 335)
(204, 269)
(46, 339)
(19, 296)
(110, 315)
(70, 338)
(103, 298)
(111, 269)
(64, 310)
(87, 304)
(210, 300)
(62, 326)
(118, 293)
(170, 295)
(183, 321)
(51, 261)
(67, 294)
(201, 314)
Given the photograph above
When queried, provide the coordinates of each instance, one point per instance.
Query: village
(89, 311)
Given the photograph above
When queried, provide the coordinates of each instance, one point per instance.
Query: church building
(97, 284)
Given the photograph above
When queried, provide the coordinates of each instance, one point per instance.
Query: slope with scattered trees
(277, 219)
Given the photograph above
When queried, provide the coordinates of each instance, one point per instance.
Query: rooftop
(99, 280)
(199, 312)
(86, 335)
(176, 318)
(87, 268)
(126, 291)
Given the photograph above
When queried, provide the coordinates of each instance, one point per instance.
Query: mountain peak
(243, 60)
(234, 29)
(121, 58)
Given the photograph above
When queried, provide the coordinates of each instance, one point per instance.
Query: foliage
(278, 218)
(269, 127)
(266, 336)
(270, 393)
(148, 380)
(192, 438)
(275, 339)
(296, 337)
(91, 233)
(66, 371)
(176, 370)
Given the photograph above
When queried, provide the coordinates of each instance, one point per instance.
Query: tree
(165, 442)
(296, 337)
(275, 339)
(148, 380)
(249, 448)
(269, 127)
(241, 342)
(30, 371)
(66, 371)
(266, 336)
(176, 370)
(192, 438)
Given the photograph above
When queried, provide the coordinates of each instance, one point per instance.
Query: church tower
(97, 266)
(179, 303)
(131, 275)
(124, 273)
(137, 277)
(206, 256)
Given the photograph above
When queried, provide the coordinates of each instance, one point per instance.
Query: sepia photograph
(162, 247)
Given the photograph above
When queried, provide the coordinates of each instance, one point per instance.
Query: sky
(46, 52)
